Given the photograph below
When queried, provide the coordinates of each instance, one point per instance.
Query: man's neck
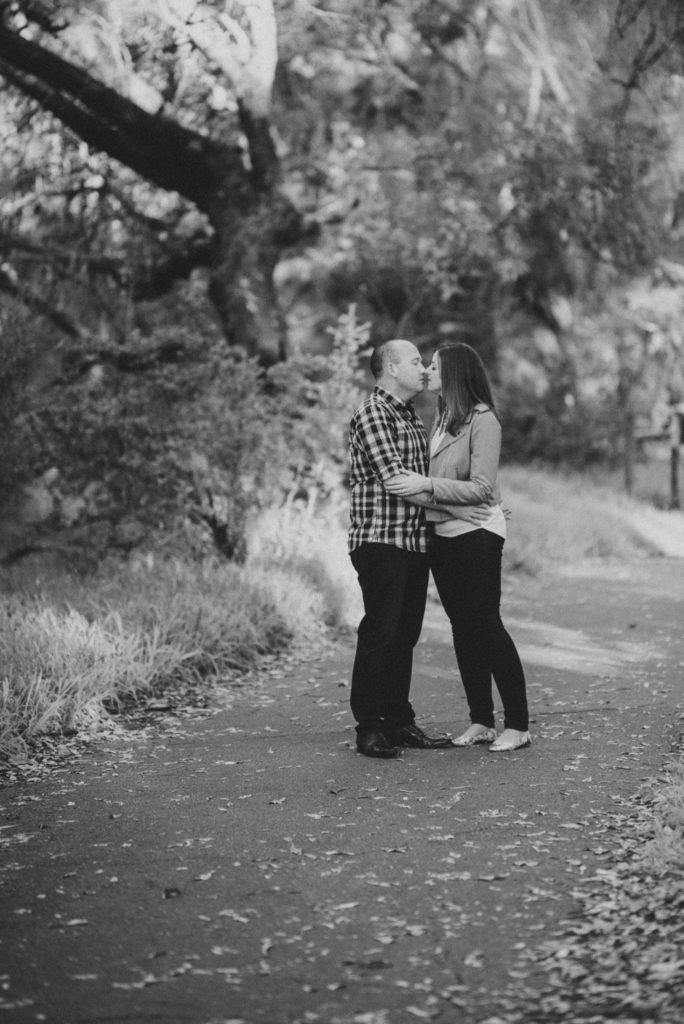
(391, 389)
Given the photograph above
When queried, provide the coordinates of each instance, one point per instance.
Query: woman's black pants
(467, 572)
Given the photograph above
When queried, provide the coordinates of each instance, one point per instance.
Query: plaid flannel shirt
(385, 436)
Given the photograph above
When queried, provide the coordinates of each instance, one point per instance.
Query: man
(388, 548)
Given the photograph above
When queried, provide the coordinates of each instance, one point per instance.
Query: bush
(177, 456)
(549, 428)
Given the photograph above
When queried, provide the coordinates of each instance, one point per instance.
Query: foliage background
(505, 173)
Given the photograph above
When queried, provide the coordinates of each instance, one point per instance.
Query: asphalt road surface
(249, 866)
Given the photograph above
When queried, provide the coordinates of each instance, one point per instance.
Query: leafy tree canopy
(184, 180)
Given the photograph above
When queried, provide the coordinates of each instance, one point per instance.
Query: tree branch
(164, 152)
(76, 363)
(106, 265)
(9, 284)
(157, 281)
(149, 282)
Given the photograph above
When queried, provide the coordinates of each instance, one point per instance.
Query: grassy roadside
(74, 650)
(559, 520)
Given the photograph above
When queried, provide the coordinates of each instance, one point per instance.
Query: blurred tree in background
(193, 191)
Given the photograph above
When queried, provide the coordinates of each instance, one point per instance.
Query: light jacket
(465, 468)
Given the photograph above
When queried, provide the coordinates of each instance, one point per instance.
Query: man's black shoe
(375, 744)
(412, 735)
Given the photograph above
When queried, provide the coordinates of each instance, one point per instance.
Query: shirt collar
(405, 408)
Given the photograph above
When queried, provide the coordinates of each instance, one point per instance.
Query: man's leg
(408, 633)
(385, 573)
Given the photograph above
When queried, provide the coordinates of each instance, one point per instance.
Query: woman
(466, 557)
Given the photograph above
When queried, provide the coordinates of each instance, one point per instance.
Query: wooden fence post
(676, 438)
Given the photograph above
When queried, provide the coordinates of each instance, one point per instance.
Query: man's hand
(406, 484)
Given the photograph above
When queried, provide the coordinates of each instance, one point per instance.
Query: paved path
(250, 867)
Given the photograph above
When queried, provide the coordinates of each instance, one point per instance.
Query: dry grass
(212, 611)
(560, 519)
(71, 647)
(300, 552)
(59, 668)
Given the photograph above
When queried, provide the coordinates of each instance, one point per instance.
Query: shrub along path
(248, 866)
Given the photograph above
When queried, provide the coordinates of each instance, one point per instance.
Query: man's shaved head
(398, 368)
(386, 353)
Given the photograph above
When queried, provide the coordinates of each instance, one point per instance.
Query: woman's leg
(456, 569)
(504, 659)
(469, 569)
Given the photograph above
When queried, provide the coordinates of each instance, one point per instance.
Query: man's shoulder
(376, 400)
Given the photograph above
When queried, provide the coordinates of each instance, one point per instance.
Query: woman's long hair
(465, 383)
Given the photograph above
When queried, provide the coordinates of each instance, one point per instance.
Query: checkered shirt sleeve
(385, 436)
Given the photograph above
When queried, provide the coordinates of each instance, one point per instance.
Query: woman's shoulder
(482, 413)
(485, 419)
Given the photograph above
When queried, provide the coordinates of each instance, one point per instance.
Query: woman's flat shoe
(475, 734)
(510, 739)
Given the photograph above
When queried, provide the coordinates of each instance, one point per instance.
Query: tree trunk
(675, 460)
(624, 397)
(676, 437)
(242, 291)
(242, 287)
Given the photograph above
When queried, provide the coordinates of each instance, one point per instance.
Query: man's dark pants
(394, 585)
